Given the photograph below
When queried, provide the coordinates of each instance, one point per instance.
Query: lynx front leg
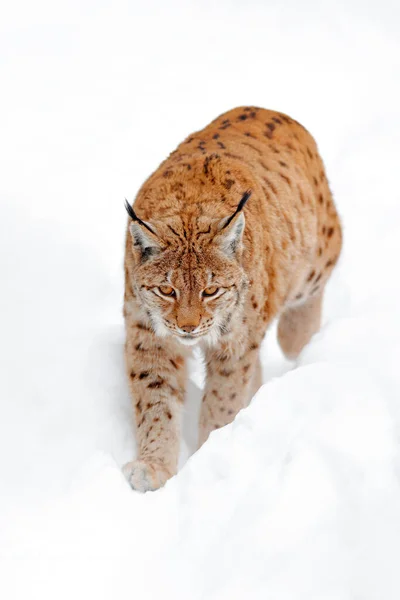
(156, 373)
(231, 383)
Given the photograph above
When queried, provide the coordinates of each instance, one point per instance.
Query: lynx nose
(188, 328)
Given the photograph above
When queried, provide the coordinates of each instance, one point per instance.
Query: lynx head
(187, 273)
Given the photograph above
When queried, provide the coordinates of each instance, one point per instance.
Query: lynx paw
(145, 476)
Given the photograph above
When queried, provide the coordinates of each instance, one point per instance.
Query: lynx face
(190, 285)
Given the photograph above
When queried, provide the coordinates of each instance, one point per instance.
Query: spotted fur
(195, 227)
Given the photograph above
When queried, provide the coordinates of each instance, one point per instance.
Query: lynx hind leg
(256, 381)
(298, 324)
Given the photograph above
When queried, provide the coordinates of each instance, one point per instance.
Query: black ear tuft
(130, 211)
(231, 229)
(134, 216)
(243, 200)
(240, 206)
(145, 239)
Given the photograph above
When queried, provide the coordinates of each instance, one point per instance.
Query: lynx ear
(231, 229)
(145, 239)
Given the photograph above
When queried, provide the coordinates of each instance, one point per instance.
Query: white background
(300, 497)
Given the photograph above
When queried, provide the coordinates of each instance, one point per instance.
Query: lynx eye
(210, 291)
(167, 290)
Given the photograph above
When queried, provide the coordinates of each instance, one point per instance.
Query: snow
(300, 497)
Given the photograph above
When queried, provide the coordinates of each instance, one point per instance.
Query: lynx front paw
(146, 476)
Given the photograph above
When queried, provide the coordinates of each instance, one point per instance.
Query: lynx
(237, 227)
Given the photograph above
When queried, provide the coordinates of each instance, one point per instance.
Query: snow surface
(300, 497)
